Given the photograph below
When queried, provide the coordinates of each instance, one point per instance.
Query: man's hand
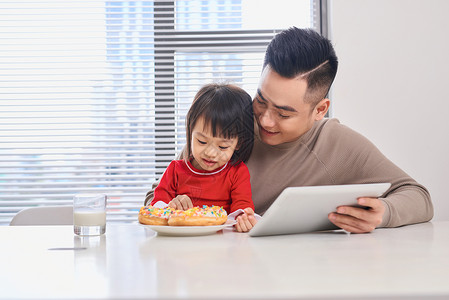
(359, 220)
(245, 221)
(181, 202)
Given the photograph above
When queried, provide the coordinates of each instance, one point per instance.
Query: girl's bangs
(222, 123)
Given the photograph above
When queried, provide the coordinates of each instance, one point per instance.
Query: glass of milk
(89, 214)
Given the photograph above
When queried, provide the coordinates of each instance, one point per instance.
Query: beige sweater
(331, 153)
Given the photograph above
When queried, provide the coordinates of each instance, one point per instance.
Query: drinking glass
(89, 214)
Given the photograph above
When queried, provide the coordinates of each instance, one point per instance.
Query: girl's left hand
(246, 221)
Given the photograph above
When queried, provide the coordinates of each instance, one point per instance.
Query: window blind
(93, 94)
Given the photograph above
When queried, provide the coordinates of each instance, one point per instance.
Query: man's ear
(321, 109)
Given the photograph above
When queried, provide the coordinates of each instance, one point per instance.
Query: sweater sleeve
(241, 196)
(166, 189)
(150, 194)
(407, 204)
(354, 159)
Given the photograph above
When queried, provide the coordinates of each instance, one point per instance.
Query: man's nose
(266, 119)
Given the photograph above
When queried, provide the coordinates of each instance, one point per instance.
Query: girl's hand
(245, 221)
(181, 202)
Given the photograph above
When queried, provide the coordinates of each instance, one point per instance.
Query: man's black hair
(304, 52)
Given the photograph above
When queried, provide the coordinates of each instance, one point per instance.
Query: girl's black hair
(228, 110)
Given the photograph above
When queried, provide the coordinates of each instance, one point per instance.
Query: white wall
(392, 83)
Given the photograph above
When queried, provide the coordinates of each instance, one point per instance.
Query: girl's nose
(211, 151)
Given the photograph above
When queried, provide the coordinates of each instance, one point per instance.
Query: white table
(130, 262)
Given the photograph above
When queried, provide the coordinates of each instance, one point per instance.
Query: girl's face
(209, 152)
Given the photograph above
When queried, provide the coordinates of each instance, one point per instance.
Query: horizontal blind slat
(112, 202)
(85, 171)
(57, 196)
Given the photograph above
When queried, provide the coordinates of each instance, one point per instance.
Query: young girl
(220, 138)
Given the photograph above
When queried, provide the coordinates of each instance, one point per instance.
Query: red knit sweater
(228, 187)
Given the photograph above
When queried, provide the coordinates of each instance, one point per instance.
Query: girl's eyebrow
(286, 108)
(205, 136)
(199, 133)
(227, 140)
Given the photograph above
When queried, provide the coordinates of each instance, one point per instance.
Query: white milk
(89, 218)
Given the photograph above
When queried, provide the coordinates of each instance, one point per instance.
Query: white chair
(44, 215)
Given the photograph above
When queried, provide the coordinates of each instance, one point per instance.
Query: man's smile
(267, 132)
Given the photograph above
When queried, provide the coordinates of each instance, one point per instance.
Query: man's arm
(407, 204)
(359, 161)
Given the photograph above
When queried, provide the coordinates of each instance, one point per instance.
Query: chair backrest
(44, 215)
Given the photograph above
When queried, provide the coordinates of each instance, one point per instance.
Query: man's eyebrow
(286, 108)
(260, 95)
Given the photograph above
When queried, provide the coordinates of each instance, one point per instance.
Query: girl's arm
(150, 194)
(166, 189)
(241, 196)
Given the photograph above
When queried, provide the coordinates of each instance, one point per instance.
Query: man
(296, 146)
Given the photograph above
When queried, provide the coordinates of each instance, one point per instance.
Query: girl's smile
(209, 162)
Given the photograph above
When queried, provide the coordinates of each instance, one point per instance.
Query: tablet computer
(306, 209)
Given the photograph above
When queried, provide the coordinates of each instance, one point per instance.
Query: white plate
(188, 230)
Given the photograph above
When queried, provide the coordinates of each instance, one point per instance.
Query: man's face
(279, 109)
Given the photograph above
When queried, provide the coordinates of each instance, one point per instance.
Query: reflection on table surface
(129, 261)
